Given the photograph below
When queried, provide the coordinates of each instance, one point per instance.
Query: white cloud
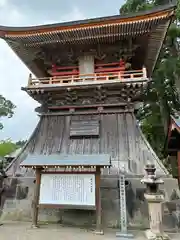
(9, 14)
(14, 74)
(3, 3)
(75, 14)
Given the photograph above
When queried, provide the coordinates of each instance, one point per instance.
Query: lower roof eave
(87, 85)
(77, 167)
(135, 154)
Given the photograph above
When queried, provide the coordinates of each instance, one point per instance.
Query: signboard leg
(36, 199)
(99, 230)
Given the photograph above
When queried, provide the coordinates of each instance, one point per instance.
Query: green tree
(6, 108)
(21, 143)
(161, 98)
(7, 147)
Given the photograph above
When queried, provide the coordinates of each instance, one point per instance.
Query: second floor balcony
(70, 79)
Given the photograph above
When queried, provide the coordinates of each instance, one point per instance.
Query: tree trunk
(165, 115)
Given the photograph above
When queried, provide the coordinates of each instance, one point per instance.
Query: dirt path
(23, 231)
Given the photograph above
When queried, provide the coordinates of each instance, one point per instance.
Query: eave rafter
(24, 41)
(116, 30)
(27, 56)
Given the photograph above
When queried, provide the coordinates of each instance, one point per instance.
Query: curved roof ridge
(155, 10)
(161, 165)
(25, 146)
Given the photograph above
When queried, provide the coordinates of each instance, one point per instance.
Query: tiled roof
(94, 21)
(26, 41)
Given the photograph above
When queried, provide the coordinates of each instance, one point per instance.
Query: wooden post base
(34, 226)
(99, 232)
(36, 199)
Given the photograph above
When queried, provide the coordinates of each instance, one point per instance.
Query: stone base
(153, 236)
(123, 235)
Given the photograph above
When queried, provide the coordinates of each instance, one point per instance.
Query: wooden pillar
(99, 229)
(36, 199)
(178, 164)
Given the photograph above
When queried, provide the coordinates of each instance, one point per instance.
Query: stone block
(136, 183)
(109, 182)
(111, 218)
(49, 215)
(110, 204)
(18, 210)
(78, 217)
(109, 193)
(169, 187)
(136, 204)
(21, 192)
(168, 222)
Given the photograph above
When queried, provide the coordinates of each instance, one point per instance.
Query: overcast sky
(14, 74)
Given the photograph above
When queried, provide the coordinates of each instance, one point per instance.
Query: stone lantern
(154, 199)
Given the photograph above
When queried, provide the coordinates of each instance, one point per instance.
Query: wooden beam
(36, 198)
(91, 106)
(99, 229)
(85, 112)
(178, 164)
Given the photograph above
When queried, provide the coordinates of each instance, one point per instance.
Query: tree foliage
(6, 108)
(7, 147)
(21, 143)
(161, 98)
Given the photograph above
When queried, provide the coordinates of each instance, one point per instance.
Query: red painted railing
(78, 79)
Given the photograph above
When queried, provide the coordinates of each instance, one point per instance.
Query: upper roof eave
(94, 21)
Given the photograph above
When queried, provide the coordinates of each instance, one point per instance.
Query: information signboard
(67, 189)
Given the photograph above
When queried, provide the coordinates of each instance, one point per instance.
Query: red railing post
(101, 76)
(72, 79)
(95, 77)
(119, 76)
(144, 72)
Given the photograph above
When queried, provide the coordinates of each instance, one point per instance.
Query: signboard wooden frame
(36, 205)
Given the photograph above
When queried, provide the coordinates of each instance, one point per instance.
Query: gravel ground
(23, 231)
